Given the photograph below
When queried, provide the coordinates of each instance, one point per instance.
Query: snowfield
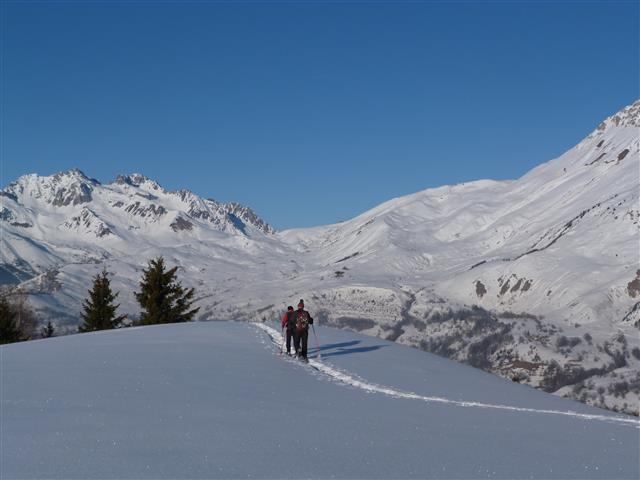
(215, 400)
(535, 279)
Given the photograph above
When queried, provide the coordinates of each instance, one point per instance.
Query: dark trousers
(289, 337)
(300, 342)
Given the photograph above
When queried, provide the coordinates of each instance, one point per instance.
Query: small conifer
(48, 330)
(99, 311)
(162, 298)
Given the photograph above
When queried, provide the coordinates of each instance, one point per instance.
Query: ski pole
(317, 341)
(282, 344)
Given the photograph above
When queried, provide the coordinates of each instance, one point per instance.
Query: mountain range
(536, 279)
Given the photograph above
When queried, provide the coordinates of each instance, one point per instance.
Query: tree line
(161, 297)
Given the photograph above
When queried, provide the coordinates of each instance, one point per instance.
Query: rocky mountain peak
(629, 116)
(138, 180)
(74, 173)
(136, 197)
(61, 189)
(247, 215)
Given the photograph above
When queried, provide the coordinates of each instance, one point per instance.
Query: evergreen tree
(25, 317)
(17, 320)
(162, 298)
(9, 328)
(48, 330)
(99, 312)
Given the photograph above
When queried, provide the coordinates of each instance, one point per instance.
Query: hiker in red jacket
(301, 321)
(288, 325)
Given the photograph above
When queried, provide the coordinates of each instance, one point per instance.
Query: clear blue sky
(310, 113)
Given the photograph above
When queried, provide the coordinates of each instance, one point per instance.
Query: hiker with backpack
(288, 324)
(301, 319)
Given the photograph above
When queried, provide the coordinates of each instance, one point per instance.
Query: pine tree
(162, 298)
(48, 330)
(9, 328)
(25, 317)
(99, 312)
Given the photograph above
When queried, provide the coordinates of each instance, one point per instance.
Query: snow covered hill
(214, 400)
(536, 279)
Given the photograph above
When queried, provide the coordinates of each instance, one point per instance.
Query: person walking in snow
(301, 320)
(287, 327)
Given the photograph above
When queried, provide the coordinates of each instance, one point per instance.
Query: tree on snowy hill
(99, 311)
(48, 330)
(17, 320)
(162, 298)
(9, 331)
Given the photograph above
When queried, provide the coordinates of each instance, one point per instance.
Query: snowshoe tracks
(352, 381)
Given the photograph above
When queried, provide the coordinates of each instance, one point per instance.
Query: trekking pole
(317, 341)
(282, 344)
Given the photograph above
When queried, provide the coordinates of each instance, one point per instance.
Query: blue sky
(309, 112)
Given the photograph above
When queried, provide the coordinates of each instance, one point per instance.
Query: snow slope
(214, 400)
(536, 279)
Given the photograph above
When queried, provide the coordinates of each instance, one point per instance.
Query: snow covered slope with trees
(536, 279)
(214, 400)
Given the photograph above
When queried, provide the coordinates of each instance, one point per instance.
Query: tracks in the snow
(348, 379)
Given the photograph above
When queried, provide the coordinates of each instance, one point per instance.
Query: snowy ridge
(627, 117)
(223, 405)
(345, 378)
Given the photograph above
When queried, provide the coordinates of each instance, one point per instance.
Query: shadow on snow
(342, 349)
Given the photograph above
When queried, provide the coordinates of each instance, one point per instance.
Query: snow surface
(215, 400)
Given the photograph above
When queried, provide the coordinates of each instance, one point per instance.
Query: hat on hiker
(289, 308)
(301, 303)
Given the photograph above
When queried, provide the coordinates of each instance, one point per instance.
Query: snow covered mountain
(214, 400)
(536, 279)
(69, 217)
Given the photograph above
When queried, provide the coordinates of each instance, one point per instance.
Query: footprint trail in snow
(348, 379)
